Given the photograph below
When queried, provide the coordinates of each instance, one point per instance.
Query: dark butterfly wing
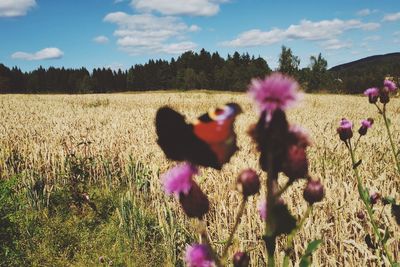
(210, 142)
(177, 140)
(216, 129)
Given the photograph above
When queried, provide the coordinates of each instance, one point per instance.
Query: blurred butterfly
(209, 141)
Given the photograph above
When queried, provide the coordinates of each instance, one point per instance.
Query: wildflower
(374, 198)
(179, 179)
(314, 191)
(296, 163)
(384, 95)
(195, 204)
(373, 94)
(365, 125)
(345, 130)
(391, 86)
(248, 183)
(276, 91)
(262, 209)
(198, 255)
(241, 259)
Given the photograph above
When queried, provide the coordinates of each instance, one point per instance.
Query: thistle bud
(241, 259)
(365, 125)
(296, 164)
(314, 191)
(195, 204)
(373, 94)
(374, 198)
(248, 183)
(384, 96)
(345, 130)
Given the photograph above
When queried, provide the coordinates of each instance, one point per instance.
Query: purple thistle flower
(391, 86)
(276, 91)
(365, 125)
(345, 129)
(198, 255)
(373, 94)
(179, 179)
(262, 209)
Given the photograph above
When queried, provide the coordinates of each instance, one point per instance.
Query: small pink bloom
(372, 92)
(198, 255)
(391, 86)
(276, 91)
(262, 209)
(367, 123)
(179, 179)
(345, 130)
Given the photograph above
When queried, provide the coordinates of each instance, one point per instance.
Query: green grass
(59, 227)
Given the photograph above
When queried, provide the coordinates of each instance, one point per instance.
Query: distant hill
(356, 76)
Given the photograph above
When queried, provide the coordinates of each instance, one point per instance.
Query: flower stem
(235, 226)
(206, 240)
(367, 204)
(289, 243)
(270, 243)
(394, 150)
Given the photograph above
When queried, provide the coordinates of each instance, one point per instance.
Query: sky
(122, 33)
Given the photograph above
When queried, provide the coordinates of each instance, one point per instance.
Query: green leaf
(305, 262)
(312, 246)
(389, 200)
(357, 164)
(306, 258)
(386, 236)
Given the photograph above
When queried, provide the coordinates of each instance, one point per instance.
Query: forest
(203, 70)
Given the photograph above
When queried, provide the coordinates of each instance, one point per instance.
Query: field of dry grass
(41, 130)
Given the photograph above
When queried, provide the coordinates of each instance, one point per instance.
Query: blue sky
(121, 33)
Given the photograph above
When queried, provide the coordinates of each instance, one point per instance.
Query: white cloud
(372, 38)
(396, 33)
(47, 53)
(392, 17)
(146, 33)
(306, 30)
(335, 44)
(15, 8)
(179, 7)
(366, 12)
(101, 39)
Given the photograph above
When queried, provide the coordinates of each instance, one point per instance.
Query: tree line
(203, 70)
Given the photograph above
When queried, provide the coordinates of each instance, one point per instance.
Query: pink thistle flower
(198, 255)
(391, 86)
(276, 91)
(179, 179)
(345, 130)
(365, 125)
(262, 209)
(373, 94)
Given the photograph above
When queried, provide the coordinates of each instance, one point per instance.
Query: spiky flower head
(179, 179)
(373, 94)
(276, 91)
(198, 255)
(390, 85)
(345, 129)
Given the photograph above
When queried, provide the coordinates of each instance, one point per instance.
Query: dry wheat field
(38, 132)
